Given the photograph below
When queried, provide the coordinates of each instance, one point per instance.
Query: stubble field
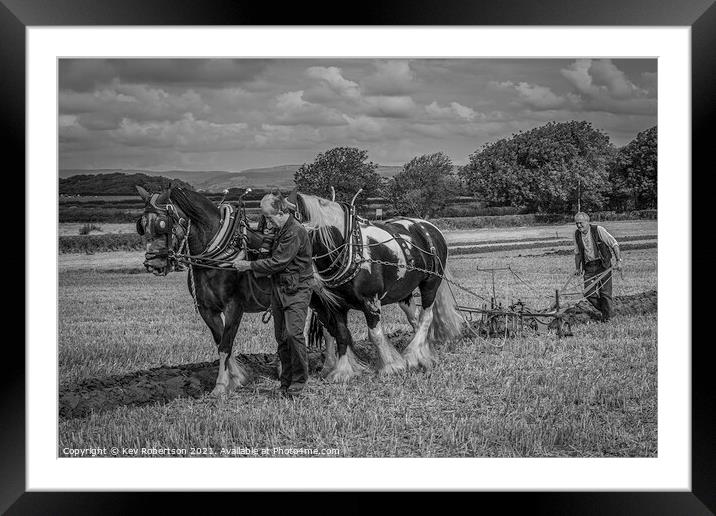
(593, 394)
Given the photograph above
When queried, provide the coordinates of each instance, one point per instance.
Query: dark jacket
(290, 261)
(602, 249)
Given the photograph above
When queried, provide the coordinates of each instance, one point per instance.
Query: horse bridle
(167, 223)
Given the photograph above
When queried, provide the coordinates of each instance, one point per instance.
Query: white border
(670, 471)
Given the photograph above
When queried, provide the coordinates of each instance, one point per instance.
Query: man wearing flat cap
(291, 271)
(593, 251)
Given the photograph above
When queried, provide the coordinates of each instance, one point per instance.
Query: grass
(593, 395)
(86, 243)
(534, 219)
(590, 395)
(87, 228)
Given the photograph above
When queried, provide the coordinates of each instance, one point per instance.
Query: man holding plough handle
(593, 249)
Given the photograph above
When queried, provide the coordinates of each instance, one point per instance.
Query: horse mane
(321, 215)
(197, 208)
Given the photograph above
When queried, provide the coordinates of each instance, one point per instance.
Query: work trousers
(289, 312)
(598, 293)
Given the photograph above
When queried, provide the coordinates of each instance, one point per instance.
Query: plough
(493, 319)
(498, 320)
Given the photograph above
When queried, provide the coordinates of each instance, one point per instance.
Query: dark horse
(222, 296)
(366, 265)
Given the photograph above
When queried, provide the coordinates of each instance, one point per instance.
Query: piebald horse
(366, 265)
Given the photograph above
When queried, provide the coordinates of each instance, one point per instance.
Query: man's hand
(241, 265)
(577, 272)
(618, 265)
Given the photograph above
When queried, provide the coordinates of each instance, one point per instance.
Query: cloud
(649, 79)
(430, 130)
(601, 86)
(605, 73)
(535, 96)
(390, 78)
(291, 101)
(136, 101)
(70, 130)
(354, 102)
(292, 109)
(99, 121)
(539, 97)
(331, 76)
(454, 111)
(270, 136)
(224, 112)
(185, 134)
(389, 107)
(87, 74)
(364, 128)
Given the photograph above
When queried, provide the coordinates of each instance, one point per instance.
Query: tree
(634, 173)
(547, 169)
(424, 185)
(344, 168)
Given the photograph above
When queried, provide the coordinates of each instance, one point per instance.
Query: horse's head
(161, 229)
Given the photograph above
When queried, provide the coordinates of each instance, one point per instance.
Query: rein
(200, 261)
(222, 249)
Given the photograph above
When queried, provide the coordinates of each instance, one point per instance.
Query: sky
(236, 114)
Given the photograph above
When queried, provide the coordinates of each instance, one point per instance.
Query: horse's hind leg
(408, 307)
(418, 352)
(331, 357)
(389, 358)
(323, 325)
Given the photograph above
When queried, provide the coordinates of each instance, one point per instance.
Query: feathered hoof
(238, 375)
(397, 366)
(326, 371)
(339, 376)
(328, 366)
(347, 367)
(237, 381)
(220, 391)
(417, 359)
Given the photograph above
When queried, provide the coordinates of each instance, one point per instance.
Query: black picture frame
(700, 15)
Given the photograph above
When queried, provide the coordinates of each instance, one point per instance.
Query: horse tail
(314, 338)
(447, 321)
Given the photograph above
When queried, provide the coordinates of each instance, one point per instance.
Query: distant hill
(216, 180)
(115, 183)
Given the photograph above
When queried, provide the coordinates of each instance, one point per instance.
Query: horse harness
(349, 258)
(222, 249)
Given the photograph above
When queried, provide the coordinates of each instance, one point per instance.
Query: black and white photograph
(420, 250)
(357, 257)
